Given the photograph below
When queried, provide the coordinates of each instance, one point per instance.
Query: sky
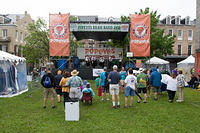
(102, 8)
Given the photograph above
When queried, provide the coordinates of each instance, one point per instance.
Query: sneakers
(118, 106)
(179, 101)
(144, 101)
(44, 107)
(102, 99)
(108, 99)
(138, 101)
(53, 107)
(125, 106)
(114, 107)
(155, 99)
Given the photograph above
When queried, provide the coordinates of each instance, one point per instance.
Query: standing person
(155, 82)
(142, 84)
(114, 78)
(171, 87)
(103, 83)
(74, 82)
(65, 89)
(148, 86)
(97, 82)
(131, 85)
(110, 62)
(48, 82)
(123, 76)
(180, 86)
(58, 78)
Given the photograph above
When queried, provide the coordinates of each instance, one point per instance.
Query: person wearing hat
(74, 82)
(114, 79)
(142, 84)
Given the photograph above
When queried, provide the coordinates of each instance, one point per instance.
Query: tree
(160, 44)
(37, 42)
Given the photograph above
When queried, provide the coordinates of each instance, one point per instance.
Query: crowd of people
(70, 85)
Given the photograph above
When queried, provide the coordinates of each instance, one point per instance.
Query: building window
(180, 34)
(189, 49)
(4, 33)
(190, 34)
(168, 20)
(170, 32)
(21, 37)
(16, 35)
(188, 21)
(177, 20)
(4, 48)
(179, 49)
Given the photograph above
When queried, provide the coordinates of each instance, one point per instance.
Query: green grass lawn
(24, 114)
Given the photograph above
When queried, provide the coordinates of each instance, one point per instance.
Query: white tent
(13, 75)
(155, 61)
(186, 66)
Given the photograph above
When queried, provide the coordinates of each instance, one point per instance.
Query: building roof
(13, 17)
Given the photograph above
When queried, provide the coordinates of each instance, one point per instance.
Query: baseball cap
(115, 67)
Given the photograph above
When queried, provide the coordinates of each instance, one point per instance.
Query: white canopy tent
(155, 61)
(186, 66)
(13, 75)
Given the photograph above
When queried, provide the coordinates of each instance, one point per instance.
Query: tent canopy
(156, 60)
(10, 57)
(188, 60)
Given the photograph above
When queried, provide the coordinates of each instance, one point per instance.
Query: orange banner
(140, 35)
(59, 34)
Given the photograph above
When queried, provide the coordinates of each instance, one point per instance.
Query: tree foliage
(37, 42)
(160, 44)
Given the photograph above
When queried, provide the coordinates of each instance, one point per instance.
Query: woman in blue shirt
(123, 76)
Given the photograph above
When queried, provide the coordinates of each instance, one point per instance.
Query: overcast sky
(102, 8)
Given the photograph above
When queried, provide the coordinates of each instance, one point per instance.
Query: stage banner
(140, 35)
(59, 34)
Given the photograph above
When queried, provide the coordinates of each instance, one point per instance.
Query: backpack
(106, 80)
(47, 82)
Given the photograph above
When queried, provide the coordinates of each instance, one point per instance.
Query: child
(84, 85)
(97, 81)
(181, 83)
(171, 87)
(88, 89)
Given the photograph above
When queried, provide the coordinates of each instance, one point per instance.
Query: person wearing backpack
(48, 82)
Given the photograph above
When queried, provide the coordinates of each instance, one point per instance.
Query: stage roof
(99, 31)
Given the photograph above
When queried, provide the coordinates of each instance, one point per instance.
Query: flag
(140, 35)
(59, 34)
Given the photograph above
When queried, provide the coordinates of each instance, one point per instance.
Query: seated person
(88, 89)
(192, 81)
(84, 85)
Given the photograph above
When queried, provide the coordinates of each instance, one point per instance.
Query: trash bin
(72, 110)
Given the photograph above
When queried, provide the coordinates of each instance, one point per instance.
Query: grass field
(24, 114)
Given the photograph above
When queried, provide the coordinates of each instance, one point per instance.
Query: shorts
(144, 90)
(155, 89)
(75, 92)
(122, 82)
(48, 91)
(129, 91)
(114, 89)
(105, 88)
(59, 91)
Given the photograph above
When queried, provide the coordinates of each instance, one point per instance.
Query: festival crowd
(70, 85)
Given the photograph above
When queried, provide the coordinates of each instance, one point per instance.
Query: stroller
(87, 97)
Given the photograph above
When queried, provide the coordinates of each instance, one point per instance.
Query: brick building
(13, 30)
(185, 31)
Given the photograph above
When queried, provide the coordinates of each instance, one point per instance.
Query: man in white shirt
(131, 85)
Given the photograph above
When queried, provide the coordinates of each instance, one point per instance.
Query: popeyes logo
(59, 30)
(140, 30)
(96, 51)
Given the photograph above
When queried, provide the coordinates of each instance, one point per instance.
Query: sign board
(99, 27)
(115, 53)
(97, 72)
(129, 54)
(138, 63)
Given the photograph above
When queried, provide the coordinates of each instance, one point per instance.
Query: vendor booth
(186, 66)
(157, 62)
(13, 75)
